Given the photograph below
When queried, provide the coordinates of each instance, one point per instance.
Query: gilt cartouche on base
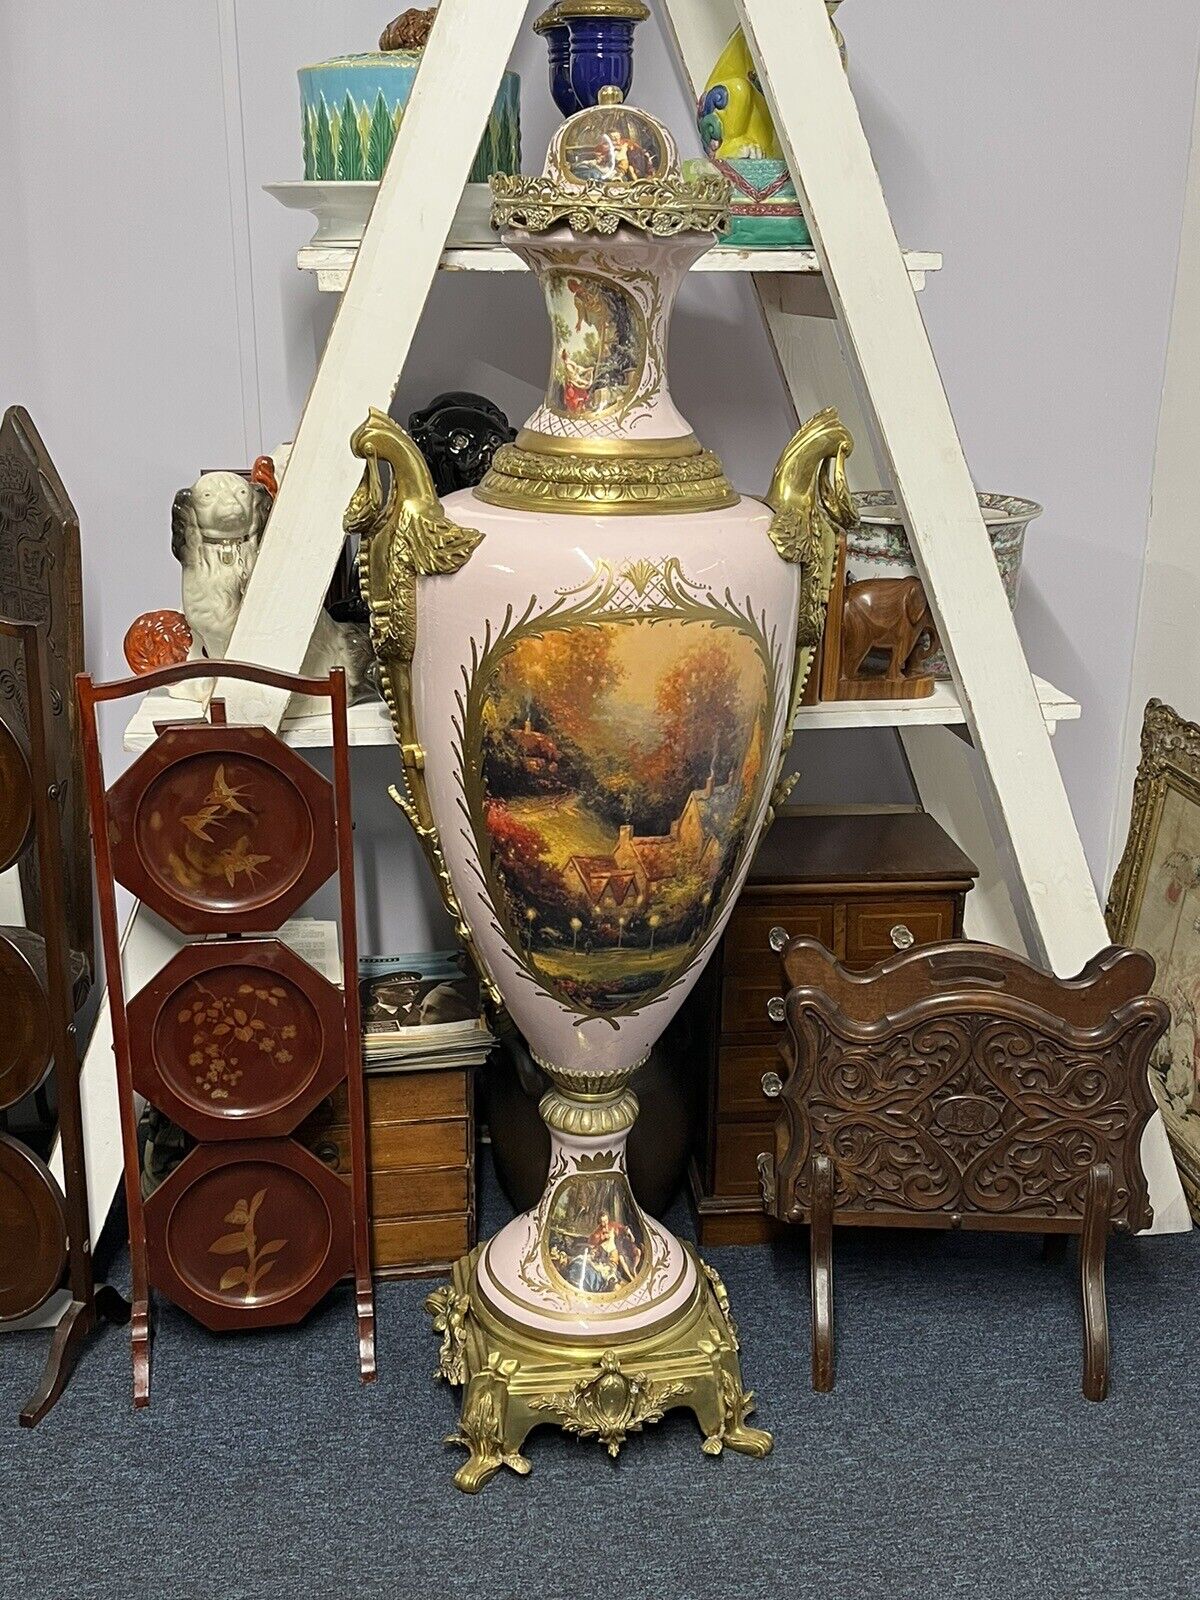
(593, 661)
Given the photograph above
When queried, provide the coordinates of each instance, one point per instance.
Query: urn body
(601, 702)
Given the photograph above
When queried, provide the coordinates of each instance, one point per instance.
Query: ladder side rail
(830, 160)
(452, 96)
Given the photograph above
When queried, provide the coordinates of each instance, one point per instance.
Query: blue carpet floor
(956, 1455)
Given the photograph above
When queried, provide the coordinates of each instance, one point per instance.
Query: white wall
(1166, 662)
(155, 324)
(1043, 149)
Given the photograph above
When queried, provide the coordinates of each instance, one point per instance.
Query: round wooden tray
(249, 1235)
(239, 1040)
(33, 1231)
(16, 798)
(222, 829)
(25, 1047)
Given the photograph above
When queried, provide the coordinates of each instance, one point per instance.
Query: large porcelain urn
(593, 660)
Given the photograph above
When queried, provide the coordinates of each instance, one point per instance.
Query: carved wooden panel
(956, 1083)
(40, 581)
(958, 1086)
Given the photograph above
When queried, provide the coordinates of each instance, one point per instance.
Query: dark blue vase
(558, 41)
(591, 48)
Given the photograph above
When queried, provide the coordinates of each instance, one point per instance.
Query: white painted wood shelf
(369, 721)
(332, 262)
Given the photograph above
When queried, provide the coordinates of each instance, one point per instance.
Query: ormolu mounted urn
(593, 660)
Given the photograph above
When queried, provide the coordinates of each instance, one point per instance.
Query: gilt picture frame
(1154, 905)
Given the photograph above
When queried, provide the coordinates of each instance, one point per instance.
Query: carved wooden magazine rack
(225, 831)
(957, 1086)
(44, 1229)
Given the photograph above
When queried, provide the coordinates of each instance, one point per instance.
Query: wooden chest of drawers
(866, 884)
(421, 1154)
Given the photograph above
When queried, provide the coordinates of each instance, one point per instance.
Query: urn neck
(608, 435)
(609, 307)
(587, 1105)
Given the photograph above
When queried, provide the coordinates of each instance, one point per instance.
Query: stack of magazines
(421, 1011)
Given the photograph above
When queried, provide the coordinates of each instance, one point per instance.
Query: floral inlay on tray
(244, 1241)
(228, 1031)
(238, 1039)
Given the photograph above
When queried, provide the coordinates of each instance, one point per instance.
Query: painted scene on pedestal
(620, 764)
(595, 1238)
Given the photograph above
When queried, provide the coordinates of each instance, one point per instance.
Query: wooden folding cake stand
(224, 831)
(45, 1237)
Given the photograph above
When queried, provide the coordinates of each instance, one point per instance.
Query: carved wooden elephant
(889, 614)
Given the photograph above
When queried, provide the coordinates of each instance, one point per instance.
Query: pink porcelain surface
(601, 702)
(587, 1255)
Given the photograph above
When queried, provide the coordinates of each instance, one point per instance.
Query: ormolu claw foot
(481, 1466)
(481, 1428)
(736, 1405)
(756, 1442)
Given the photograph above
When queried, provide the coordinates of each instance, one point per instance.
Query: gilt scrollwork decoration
(811, 500)
(405, 534)
(610, 1404)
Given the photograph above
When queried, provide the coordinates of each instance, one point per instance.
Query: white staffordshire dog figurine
(217, 529)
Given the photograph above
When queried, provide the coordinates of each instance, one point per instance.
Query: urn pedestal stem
(647, 1329)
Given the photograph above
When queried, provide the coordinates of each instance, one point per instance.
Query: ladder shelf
(369, 722)
(332, 263)
(846, 328)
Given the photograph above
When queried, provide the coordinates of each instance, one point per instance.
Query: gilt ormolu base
(513, 1380)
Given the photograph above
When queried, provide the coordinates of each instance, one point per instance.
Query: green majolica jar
(352, 106)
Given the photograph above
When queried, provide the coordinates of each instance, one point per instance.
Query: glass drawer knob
(772, 1084)
(902, 938)
(777, 938)
(775, 1008)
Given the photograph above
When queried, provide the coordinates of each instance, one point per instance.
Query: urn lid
(612, 164)
(400, 44)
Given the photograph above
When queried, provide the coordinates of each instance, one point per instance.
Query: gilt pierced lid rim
(612, 163)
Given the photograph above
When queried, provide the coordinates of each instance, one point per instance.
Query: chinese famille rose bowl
(877, 545)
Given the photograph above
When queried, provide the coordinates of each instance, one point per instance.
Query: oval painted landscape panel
(620, 763)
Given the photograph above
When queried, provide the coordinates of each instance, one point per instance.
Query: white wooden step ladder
(852, 337)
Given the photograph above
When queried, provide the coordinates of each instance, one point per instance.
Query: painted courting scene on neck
(620, 763)
(599, 345)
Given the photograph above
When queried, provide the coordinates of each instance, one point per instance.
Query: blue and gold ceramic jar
(591, 48)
